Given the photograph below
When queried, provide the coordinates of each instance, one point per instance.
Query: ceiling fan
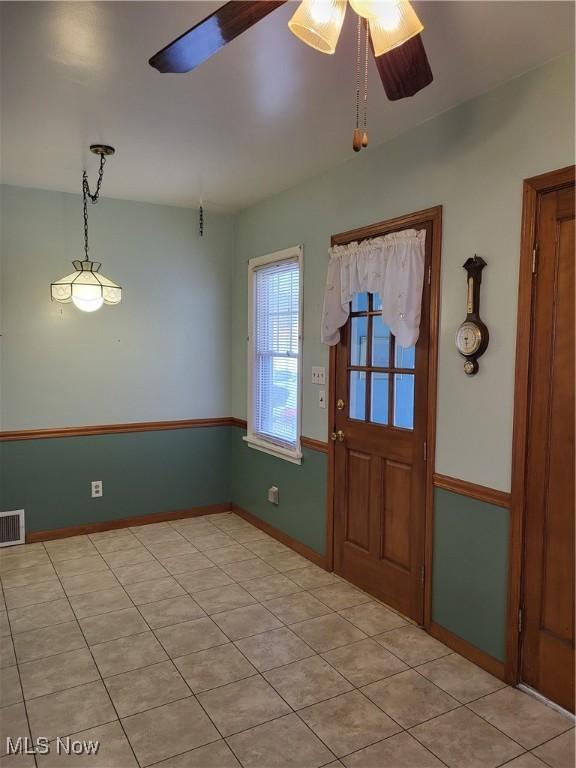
(394, 36)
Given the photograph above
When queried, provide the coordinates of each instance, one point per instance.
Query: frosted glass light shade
(395, 23)
(318, 23)
(86, 288)
(365, 8)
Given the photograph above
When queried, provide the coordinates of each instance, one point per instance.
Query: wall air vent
(12, 528)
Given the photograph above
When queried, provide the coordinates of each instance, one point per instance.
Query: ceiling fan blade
(404, 70)
(212, 33)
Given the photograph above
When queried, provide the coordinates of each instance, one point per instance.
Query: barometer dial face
(468, 338)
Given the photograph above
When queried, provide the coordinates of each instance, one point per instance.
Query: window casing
(274, 353)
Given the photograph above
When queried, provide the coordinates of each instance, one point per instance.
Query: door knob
(337, 436)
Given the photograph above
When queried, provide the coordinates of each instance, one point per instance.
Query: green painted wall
(470, 575)
(142, 473)
(301, 512)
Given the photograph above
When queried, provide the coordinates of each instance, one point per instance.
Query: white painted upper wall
(472, 161)
(163, 354)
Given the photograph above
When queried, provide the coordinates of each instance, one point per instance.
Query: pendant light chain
(366, 44)
(93, 198)
(357, 135)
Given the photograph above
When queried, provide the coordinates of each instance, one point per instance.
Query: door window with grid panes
(380, 372)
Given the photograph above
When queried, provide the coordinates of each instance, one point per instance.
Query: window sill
(294, 456)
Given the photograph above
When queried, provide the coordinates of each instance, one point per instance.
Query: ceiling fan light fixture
(395, 24)
(318, 23)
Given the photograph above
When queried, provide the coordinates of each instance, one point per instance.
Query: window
(274, 348)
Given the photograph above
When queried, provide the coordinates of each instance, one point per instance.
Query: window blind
(276, 347)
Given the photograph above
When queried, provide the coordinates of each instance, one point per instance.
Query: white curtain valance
(392, 266)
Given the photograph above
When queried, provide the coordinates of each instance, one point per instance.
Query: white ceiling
(260, 116)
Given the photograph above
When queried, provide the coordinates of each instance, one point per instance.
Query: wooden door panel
(396, 526)
(357, 522)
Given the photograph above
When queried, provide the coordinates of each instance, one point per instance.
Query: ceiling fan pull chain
(357, 135)
(366, 44)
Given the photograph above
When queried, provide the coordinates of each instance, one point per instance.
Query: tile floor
(204, 643)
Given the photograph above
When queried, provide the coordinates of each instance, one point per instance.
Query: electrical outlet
(273, 494)
(318, 374)
(322, 398)
(96, 489)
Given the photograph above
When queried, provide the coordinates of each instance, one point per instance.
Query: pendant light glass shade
(86, 288)
(318, 23)
(366, 8)
(395, 23)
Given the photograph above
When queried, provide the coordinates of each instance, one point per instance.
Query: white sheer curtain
(392, 266)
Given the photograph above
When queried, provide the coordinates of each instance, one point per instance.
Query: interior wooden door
(380, 420)
(547, 650)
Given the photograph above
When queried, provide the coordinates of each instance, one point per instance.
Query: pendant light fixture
(86, 288)
(394, 24)
(318, 23)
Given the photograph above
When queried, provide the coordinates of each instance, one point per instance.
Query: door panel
(547, 659)
(379, 460)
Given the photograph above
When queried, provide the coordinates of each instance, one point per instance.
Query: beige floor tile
(68, 549)
(242, 705)
(91, 564)
(130, 574)
(327, 632)
(20, 560)
(173, 610)
(10, 689)
(412, 645)
(84, 583)
(307, 682)
(179, 546)
(4, 624)
(460, 678)
(298, 607)
(364, 662)
(43, 615)
(65, 712)
(114, 750)
(17, 761)
(267, 547)
(156, 532)
(269, 587)
(57, 673)
(169, 730)
(463, 740)
(217, 666)
(186, 563)
(13, 723)
(142, 689)
(400, 751)
(282, 743)
(527, 760)
(373, 618)
(47, 641)
(223, 598)
(248, 569)
(522, 717)
(150, 591)
(211, 541)
(287, 562)
(215, 755)
(246, 621)
(244, 536)
(127, 653)
(349, 722)
(232, 554)
(35, 574)
(207, 578)
(7, 655)
(133, 556)
(274, 649)
(409, 698)
(340, 596)
(313, 577)
(558, 752)
(114, 541)
(109, 626)
(20, 597)
(95, 603)
(190, 636)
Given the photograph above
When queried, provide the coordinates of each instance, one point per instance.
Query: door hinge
(425, 449)
(520, 621)
(429, 273)
(534, 259)
(422, 574)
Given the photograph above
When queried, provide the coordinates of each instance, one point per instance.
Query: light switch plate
(318, 374)
(322, 398)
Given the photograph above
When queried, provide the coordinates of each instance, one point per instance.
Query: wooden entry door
(380, 400)
(547, 648)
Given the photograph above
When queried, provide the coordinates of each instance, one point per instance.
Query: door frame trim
(434, 216)
(533, 188)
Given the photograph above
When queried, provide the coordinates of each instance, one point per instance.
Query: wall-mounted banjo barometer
(472, 336)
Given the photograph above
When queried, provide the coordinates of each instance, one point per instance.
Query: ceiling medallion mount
(86, 288)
